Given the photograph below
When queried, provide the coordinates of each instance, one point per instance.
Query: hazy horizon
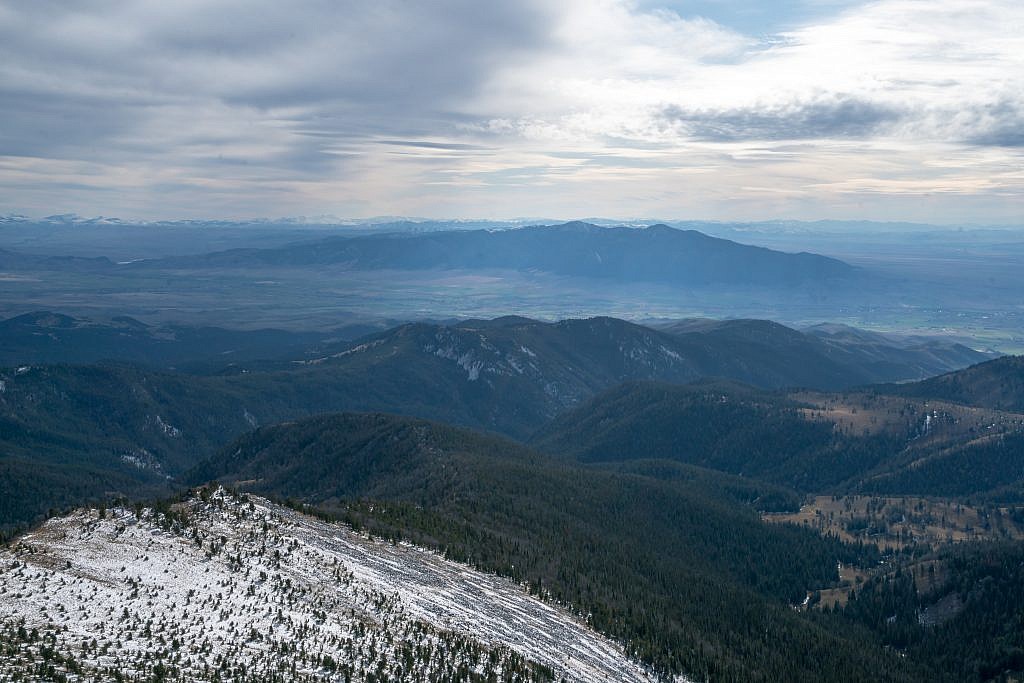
(71, 218)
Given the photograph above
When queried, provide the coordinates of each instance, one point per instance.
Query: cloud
(836, 116)
(428, 144)
(462, 108)
(114, 75)
(916, 63)
(1000, 124)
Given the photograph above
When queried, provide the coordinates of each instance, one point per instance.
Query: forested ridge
(859, 441)
(121, 427)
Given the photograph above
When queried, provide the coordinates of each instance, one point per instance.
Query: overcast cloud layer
(897, 109)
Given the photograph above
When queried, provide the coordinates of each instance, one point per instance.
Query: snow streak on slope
(227, 588)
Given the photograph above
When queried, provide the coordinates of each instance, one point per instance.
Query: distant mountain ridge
(891, 439)
(657, 253)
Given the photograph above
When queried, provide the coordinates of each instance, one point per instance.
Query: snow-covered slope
(227, 588)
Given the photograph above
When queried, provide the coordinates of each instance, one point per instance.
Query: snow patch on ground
(142, 459)
(359, 349)
(347, 352)
(670, 353)
(219, 584)
(167, 429)
(466, 360)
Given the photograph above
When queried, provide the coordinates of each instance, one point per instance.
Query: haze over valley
(960, 285)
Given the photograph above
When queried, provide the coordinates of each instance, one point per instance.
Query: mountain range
(654, 254)
(77, 430)
(774, 355)
(307, 276)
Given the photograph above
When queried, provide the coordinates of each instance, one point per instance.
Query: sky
(712, 109)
